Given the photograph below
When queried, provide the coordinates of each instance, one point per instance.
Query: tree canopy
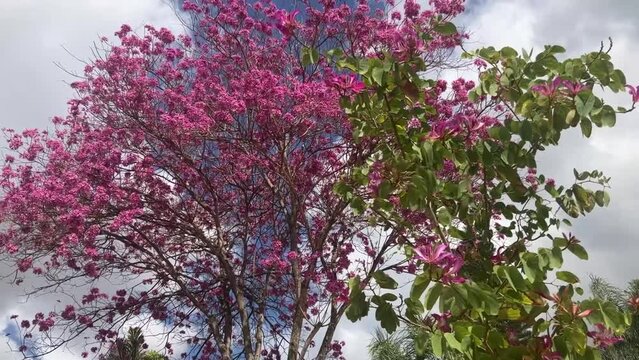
(270, 172)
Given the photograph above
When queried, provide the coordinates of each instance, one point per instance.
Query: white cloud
(33, 38)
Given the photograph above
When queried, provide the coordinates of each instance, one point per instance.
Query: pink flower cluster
(443, 258)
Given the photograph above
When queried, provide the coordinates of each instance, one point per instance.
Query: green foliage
(408, 343)
(603, 290)
(153, 355)
(131, 348)
(512, 295)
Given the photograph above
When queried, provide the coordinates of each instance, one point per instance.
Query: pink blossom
(432, 255)
(603, 337)
(286, 22)
(548, 89)
(574, 87)
(414, 123)
(634, 92)
(347, 83)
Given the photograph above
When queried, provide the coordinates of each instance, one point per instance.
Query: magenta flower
(431, 255)
(575, 87)
(441, 257)
(603, 337)
(286, 22)
(414, 123)
(348, 83)
(441, 321)
(548, 89)
(634, 91)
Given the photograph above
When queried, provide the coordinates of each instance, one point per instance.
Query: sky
(40, 38)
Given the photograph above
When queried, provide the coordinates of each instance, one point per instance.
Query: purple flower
(287, 22)
(634, 91)
(548, 89)
(603, 337)
(414, 123)
(431, 255)
(450, 275)
(348, 83)
(574, 88)
(441, 257)
(442, 321)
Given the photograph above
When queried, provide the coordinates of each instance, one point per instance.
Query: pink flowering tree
(258, 180)
(198, 171)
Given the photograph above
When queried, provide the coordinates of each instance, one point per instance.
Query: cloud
(33, 37)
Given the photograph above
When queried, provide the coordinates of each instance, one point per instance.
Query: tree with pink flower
(256, 182)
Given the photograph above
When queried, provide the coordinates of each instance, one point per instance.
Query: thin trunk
(336, 315)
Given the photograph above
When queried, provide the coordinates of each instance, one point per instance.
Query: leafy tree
(258, 180)
(396, 346)
(403, 345)
(130, 348)
(454, 172)
(624, 299)
(154, 355)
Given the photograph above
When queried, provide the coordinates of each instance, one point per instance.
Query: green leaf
(453, 342)
(446, 28)
(578, 251)
(309, 56)
(432, 295)
(443, 216)
(493, 89)
(419, 285)
(508, 52)
(607, 116)
(567, 276)
(514, 277)
(584, 107)
(384, 281)
(437, 342)
(581, 176)
(421, 342)
(601, 69)
(500, 133)
(532, 267)
(358, 306)
(378, 75)
(509, 313)
(389, 297)
(586, 127)
(555, 258)
(556, 49)
(585, 198)
(414, 308)
(496, 340)
(385, 314)
(526, 131)
(570, 117)
(576, 339)
(602, 198)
